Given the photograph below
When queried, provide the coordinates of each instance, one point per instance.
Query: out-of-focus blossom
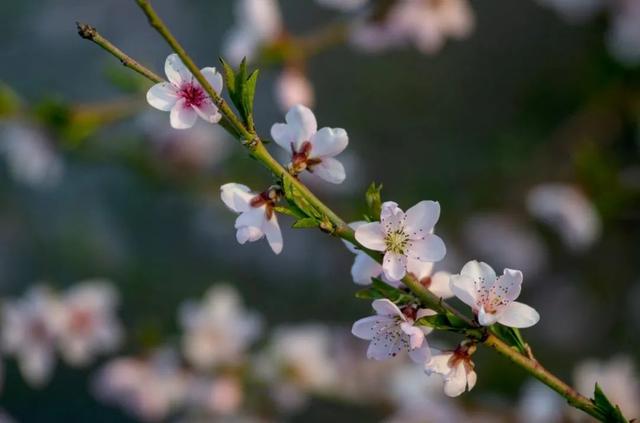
(502, 240)
(403, 236)
(623, 37)
(618, 379)
(455, 367)
(30, 156)
(539, 404)
(424, 23)
(220, 396)
(492, 298)
(574, 10)
(392, 331)
(5, 418)
(311, 149)
(293, 87)
(568, 211)
(217, 330)
(183, 95)
(87, 325)
(257, 218)
(29, 333)
(296, 362)
(149, 389)
(343, 5)
(258, 23)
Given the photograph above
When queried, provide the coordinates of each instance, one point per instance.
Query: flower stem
(257, 150)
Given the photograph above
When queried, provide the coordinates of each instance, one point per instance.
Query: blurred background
(520, 118)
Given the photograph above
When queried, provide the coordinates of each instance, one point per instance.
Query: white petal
(508, 285)
(421, 218)
(367, 327)
(371, 236)
(364, 268)
(236, 196)
(274, 236)
(416, 336)
(472, 378)
(419, 269)
(354, 225)
(486, 319)
(209, 112)
(182, 116)
(213, 77)
(440, 285)
(36, 364)
(253, 217)
(391, 217)
(248, 233)
(385, 307)
(330, 169)
(162, 96)
(518, 315)
(464, 288)
(439, 363)
(456, 383)
(394, 266)
(421, 355)
(328, 142)
(430, 249)
(176, 71)
(480, 272)
(383, 349)
(300, 127)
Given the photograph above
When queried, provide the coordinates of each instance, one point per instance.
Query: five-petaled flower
(392, 330)
(311, 149)
(184, 96)
(456, 368)
(257, 217)
(492, 298)
(403, 236)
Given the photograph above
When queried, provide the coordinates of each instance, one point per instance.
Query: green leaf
(379, 289)
(289, 212)
(374, 202)
(306, 222)
(229, 76)
(297, 200)
(248, 93)
(610, 412)
(241, 87)
(443, 322)
(512, 337)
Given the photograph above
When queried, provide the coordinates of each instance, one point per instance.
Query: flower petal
(354, 225)
(416, 335)
(485, 318)
(439, 363)
(391, 217)
(330, 169)
(421, 355)
(176, 71)
(209, 112)
(236, 196)
(162, 96)
(248, 233)
(385, 307)
(421, 218)
(464, 288)
(300, 127)
(518, 315)
(472, 378)
(480, 272)
(272, 232)
(364, 268)
(456, 383)
(367, 327)
(371, 236)
(328, 142)
(429, 249)
(419, 269)
(213, 77)
(394, 266)
(182, 116)
(508, 285)
(384, 346)
(440, 285)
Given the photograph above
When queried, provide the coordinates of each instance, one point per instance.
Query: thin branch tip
(86, 31)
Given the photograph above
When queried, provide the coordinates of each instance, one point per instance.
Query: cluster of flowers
(80, 323)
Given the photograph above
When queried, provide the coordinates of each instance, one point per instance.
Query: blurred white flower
(574, 10)
(311, 149)
(296, 362)
(343, 5)
(258, 23)
(183, 95)
(293, 87)
(217, 330)
(568, 211)
(492, 298)
(539, 404)
(618, 378)
(220, 396)
(149, 389)
(257, 218)
(5, 418)
(623, 37)
(403, 236)
(392, 331)
(87, 325)
(424, 23)
(29, 333)
(30, 156)
(455, 367)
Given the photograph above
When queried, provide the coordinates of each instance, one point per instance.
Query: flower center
(300, 158)
(396, 241)
(193, 94)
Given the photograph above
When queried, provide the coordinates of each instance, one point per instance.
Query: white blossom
(311, 149)
(257, 218)
(183, 96)
(623, 37)
(574, 10)
(87, 324)
(29, 333)
(219, 396)
(392, 331)
(492, 298)
(568, 211)
(293, 87)
(217, 330)
(403, 236)
(455, 367)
